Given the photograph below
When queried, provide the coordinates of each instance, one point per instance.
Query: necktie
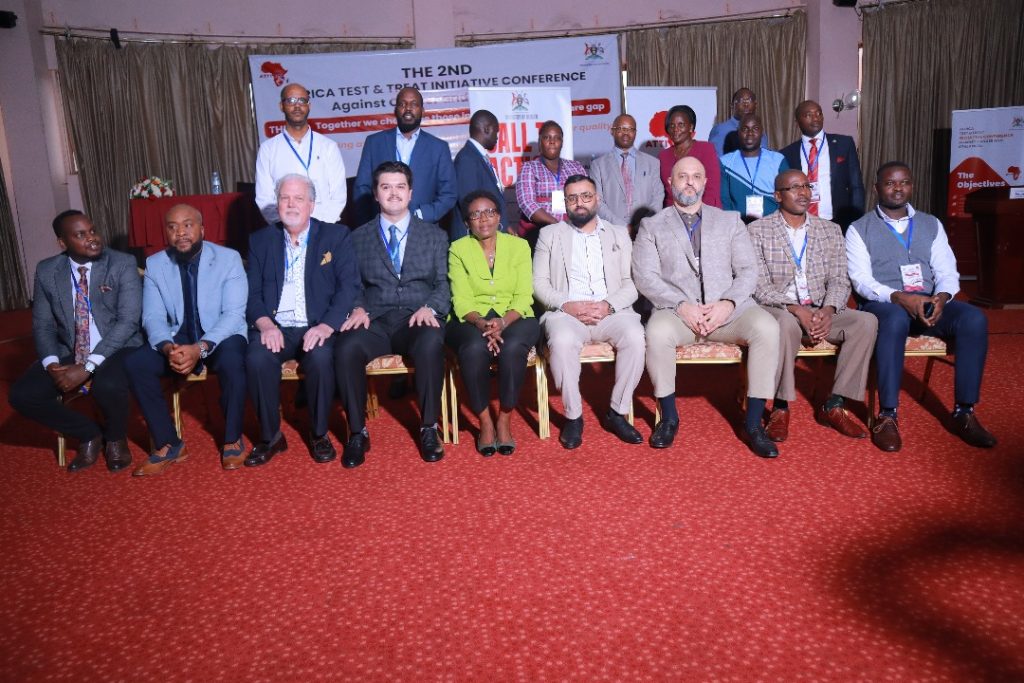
(82, 316)
(396, 260)
(627, 182)
(812, 173)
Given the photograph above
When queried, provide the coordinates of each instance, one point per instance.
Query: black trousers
(263, 369)
(146, 366)
(475, 361)
(36, 397)
(390, 333)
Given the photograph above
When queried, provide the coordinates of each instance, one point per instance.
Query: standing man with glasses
(582, 278)
(300, 149)
(724, 135)
(627, 181)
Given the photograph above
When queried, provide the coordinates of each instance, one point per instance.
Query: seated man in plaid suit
(802, 281)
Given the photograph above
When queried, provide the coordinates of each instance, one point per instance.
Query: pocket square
(106, 289)
(326, 259)
(840, 160)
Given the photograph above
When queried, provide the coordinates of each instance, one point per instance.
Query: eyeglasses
(744, 100)
(624, 129)
(577, 198)
(482, 213)
(797, 187)
(295, 100)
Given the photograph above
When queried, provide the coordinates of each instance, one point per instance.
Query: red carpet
(836, 562)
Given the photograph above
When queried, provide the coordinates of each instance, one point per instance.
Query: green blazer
(475, 288)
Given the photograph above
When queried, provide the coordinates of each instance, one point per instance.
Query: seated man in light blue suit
(193, 311)
(428, 156)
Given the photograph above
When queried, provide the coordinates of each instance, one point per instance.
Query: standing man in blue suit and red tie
(831, 165)
(474, 171)
(428, 156)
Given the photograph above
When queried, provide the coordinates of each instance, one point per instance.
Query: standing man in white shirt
(904, 272)
(300, 149)
(629, 183)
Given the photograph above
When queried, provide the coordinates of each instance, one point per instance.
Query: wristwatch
(90, 367)
(204, 350)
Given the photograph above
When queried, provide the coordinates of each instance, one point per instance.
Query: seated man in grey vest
(904, 272)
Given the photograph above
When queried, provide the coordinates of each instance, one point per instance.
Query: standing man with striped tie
(628, 182)
(831, 165)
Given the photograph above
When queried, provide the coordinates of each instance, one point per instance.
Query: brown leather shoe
(967, 427)
(233, 455)
(886, 434)
(841, 420)
(777, 428)
(117, 454)
(155, 464)
(88, 451)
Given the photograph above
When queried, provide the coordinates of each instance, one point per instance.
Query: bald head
(183, 230)
(409, 110)
(688, 180)
(483, 127)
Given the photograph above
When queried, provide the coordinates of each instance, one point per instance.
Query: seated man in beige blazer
(803, 283)
(696, 266)
(581, 277)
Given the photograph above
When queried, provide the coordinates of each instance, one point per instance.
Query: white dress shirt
(858, 261)
(486, 155)
(586, 279)
(295, 275)
(94, 333)
(797, 241)
(824, 171)
(279, 156)
(401, 234)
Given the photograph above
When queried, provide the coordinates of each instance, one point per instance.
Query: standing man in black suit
(831, 165)
(405, 298)
(86, 305)
(302, 282)
(474, 171)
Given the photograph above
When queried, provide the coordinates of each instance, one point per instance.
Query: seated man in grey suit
(628, 182)
(193, 310)
(697, 267)
(85, 319)
(403, 300)
(581, 277)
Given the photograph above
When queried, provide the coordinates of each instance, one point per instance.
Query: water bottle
(215, 183)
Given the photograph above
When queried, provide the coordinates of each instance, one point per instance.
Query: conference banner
(352, 94)
(650, 105)
(987, 150)
(520, 113)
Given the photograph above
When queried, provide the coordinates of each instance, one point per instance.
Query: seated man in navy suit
(831, 165)
(429, 158)
(405, 297)
(302, 282)
(187, 330)
(85, 320)
(474, 171)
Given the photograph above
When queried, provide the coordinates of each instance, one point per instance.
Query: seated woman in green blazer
(491, 274)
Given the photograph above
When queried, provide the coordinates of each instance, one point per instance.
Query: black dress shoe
(760, 443)
(620, 427)
(117, 454)
(355, 450)
(431, 448)
(967, 427)
(88, 451)
(264, 452)
(322, 449)
(572, 434)
(664, 433)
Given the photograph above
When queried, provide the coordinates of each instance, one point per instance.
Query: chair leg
(445, 423)
(176, 410)
(453, 398)
(630, 416)
(61, 451)
(872, 389)
(927, 376)
(372, 403)
(543, 411)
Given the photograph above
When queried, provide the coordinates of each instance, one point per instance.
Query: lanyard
(907, 237)
(803, 150)
(309, 156)
(78, 288)
(757, 167)
(387, 242)
(558, 177)
(289, 264)
(799, 259)
(689, 230)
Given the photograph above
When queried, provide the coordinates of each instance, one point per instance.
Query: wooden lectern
(999, 222)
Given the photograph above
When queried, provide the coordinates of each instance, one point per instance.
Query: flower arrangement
(152, 188)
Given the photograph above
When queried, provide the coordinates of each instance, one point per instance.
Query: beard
(186, 256)
(684, 199)
(581, 219)
(408, 127)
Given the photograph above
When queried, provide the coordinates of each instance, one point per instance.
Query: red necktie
(627, 182)
(812, 173)
(82, 316)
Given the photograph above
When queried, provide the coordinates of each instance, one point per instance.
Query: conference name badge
(326, 259)
(755, 206)
(913, 280)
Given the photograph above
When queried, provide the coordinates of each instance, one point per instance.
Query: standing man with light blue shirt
(724, 135)
(748, 174)
(193, 310)
(300, 149)
(628, 183)
(904, 273)
(428, 156)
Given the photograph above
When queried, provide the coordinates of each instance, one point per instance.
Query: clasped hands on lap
(703, 319)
